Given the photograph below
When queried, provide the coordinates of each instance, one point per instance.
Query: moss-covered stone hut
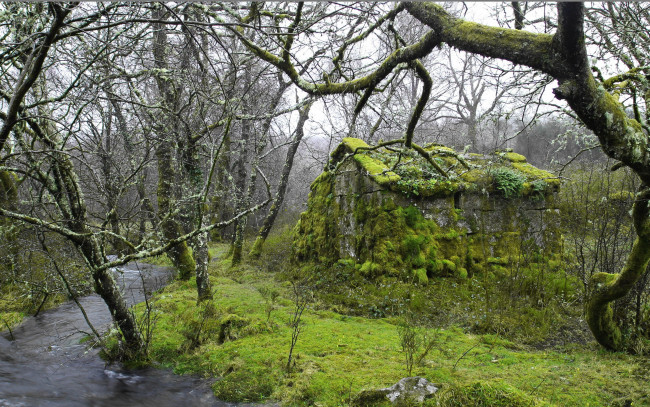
(403, 213)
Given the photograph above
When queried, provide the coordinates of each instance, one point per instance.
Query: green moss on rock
(421, 276)
(533, 173)
(514, 157)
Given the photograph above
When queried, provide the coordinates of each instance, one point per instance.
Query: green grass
(10, 319)
(337, 356)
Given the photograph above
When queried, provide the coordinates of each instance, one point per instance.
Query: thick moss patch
(407, 172)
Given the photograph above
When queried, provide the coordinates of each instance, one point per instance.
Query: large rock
(409, 389)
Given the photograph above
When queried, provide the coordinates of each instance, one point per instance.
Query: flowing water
(47, 366)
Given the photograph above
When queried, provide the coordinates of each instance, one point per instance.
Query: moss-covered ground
(242, 339)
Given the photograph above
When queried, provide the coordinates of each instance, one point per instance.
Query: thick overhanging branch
(404, 54)
(517, 46)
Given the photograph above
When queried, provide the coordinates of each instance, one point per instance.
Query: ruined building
(393, 211)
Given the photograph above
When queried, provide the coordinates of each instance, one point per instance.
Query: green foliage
(270, 295)
(508, 182)
(415, 341)
(538, 189)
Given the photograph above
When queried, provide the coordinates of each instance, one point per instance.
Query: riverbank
(243, 338)
(16, 305)
(48, 365)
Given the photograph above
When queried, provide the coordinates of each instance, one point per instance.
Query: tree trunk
(199, 244)
(108, 289)
(606, 287)
(243, 192)
(203, 286)
(264, 231)
(8, 228)
(179, 254)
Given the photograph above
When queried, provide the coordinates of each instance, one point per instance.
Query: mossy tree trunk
(199, 244)
(194, 172)
(241, 191)
(218, 205)
(269, 220)
(179, 254)
(607, 288)
(8, 228)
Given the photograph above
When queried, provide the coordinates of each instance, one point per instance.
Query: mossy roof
(406, 171)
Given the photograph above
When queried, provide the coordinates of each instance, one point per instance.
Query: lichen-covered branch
(31, 70)
(404, 54)
(427, 84)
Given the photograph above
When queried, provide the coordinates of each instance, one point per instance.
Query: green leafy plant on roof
(507, 181)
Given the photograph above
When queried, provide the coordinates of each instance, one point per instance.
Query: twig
(538, 386)
(11, 334)
(463, 355)
(41, 238)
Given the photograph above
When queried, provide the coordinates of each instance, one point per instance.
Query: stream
(47, 366)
